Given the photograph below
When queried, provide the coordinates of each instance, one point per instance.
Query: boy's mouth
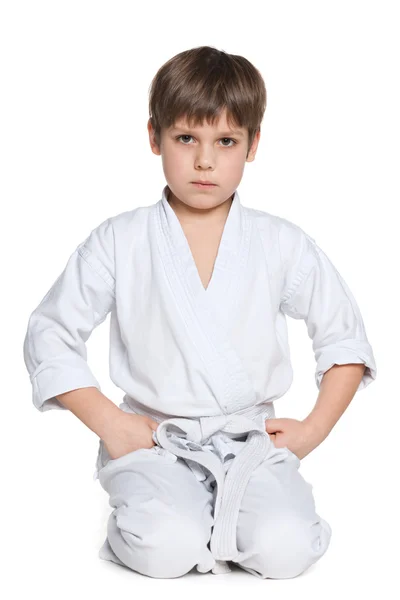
(204, 184)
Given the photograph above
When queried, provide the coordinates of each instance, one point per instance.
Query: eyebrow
(236, 133)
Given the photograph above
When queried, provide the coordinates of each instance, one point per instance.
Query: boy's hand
(128, 433)
(300, 437)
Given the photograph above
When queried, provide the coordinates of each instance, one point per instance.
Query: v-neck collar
(228, 249)
(208, 315)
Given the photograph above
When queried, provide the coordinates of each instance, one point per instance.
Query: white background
(74, 150)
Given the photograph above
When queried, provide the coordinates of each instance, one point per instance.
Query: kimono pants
(163, 514)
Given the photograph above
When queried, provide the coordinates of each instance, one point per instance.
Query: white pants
(163, 517)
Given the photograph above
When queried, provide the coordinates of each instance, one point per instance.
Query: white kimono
(207, 364)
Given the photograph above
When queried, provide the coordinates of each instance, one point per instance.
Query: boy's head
(206, 108)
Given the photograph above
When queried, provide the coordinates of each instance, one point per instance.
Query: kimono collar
(232, 228)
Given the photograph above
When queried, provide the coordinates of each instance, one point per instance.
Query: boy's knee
(285, 549)
(163, 549)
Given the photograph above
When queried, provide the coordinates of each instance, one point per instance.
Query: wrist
(111, 424)
(316, 430)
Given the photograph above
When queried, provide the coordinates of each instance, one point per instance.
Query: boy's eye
(183, 136)
(224, 139)
(229, 139)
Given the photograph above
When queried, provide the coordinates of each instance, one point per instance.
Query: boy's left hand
(299, 436)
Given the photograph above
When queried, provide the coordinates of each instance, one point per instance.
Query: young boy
(198, 286)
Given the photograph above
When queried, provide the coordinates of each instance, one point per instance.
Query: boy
(198, 470)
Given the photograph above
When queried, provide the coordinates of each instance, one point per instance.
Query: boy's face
(206, 152)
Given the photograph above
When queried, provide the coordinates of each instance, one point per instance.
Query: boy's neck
(189, 215)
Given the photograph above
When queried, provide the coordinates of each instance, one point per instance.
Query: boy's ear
(253, 149)
(154, 146)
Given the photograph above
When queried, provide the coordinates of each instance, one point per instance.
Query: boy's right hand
(128, 433)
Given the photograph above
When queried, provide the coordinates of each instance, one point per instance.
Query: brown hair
(199, 83)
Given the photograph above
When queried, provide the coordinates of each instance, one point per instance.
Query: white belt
(230, 486)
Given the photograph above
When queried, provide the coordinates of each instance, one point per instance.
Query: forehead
(220, 124)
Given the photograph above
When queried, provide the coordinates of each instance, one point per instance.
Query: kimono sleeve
(316, 292)
(54, 348)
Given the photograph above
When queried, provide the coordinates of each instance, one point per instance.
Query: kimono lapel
(207, 313)
(229, 262)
